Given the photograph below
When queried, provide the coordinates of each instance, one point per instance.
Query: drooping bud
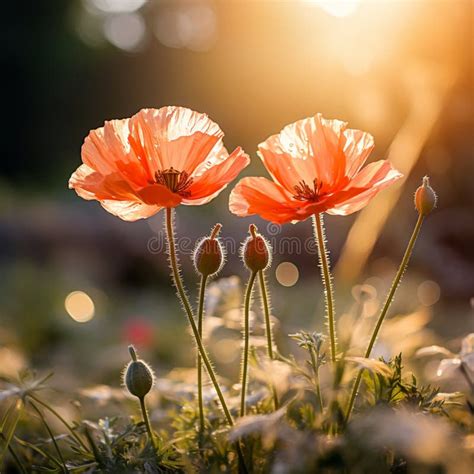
(138, 376)
(256, 251)
(425, 198)
(208, 256)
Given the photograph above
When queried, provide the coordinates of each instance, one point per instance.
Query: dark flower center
(304, 192)
(176, 181)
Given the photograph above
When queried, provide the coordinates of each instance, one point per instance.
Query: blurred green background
(401, 70)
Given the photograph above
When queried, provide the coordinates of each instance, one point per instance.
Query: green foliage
(396, 389)
(298, 437)
(119, 446)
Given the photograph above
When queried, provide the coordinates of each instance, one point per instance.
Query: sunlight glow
(79, 306)
(337, 8)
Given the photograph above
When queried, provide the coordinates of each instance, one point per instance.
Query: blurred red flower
(139, 332)
(317, 166)
(158, 158)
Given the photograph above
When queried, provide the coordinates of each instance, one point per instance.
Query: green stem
(51, 435)
(266, 311)
(268, 326)
(318, 226)
(61, 419)
(245, 355)
(383, 313)
(189, 313)
(146, 419)
(316, 378)
(173, 258)
(202, 292)
(39, 451)
(17, 459)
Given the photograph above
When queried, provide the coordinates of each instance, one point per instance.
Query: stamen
(176, 181)
(303, 192)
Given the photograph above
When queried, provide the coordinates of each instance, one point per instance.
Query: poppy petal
(269, 200)
(306, 150)
(363, 187)
(213, 180)
(157, 194)
(127, 160)
(327, 143)
(107, 150)
(90, 184)
(174, 137)
(358, 147)
(114, 194)
(130, 210)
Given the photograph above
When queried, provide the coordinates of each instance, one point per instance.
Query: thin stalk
(318, 226)
(174, 264)
(12, 417)
(189, 313)
(61, 419)
(268, 327)
(51, 435)
(245, 355)
(383, 313)
(17, 459)
(266, 311)
(202, 292)
(316, 378)
(146, 419)
(39, 451)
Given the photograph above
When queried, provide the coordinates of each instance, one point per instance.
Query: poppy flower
(317, 166)
(156, 159)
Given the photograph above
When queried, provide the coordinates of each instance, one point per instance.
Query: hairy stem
(202, 292)
(268, 326)
(245, 355)
(174, 264)
(383, 313)
(189, 313)
(318, 226)
(146, 420)
(266, 311)
(316, 378)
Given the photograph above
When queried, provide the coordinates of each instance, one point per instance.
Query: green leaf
(8, 426)
(375, 366)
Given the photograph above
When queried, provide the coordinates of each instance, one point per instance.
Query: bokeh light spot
(115, 6)
(287, 274)
(191, 26)
(125, 31)
(363, 293)
(226, 350)
(79, 306)
(428, 293)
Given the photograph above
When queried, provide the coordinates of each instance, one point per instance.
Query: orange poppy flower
(158, 158)
(316, 166)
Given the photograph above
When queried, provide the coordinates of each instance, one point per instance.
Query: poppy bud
(208, 256)
(425, 198)
(256, 251)
(138, 376)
